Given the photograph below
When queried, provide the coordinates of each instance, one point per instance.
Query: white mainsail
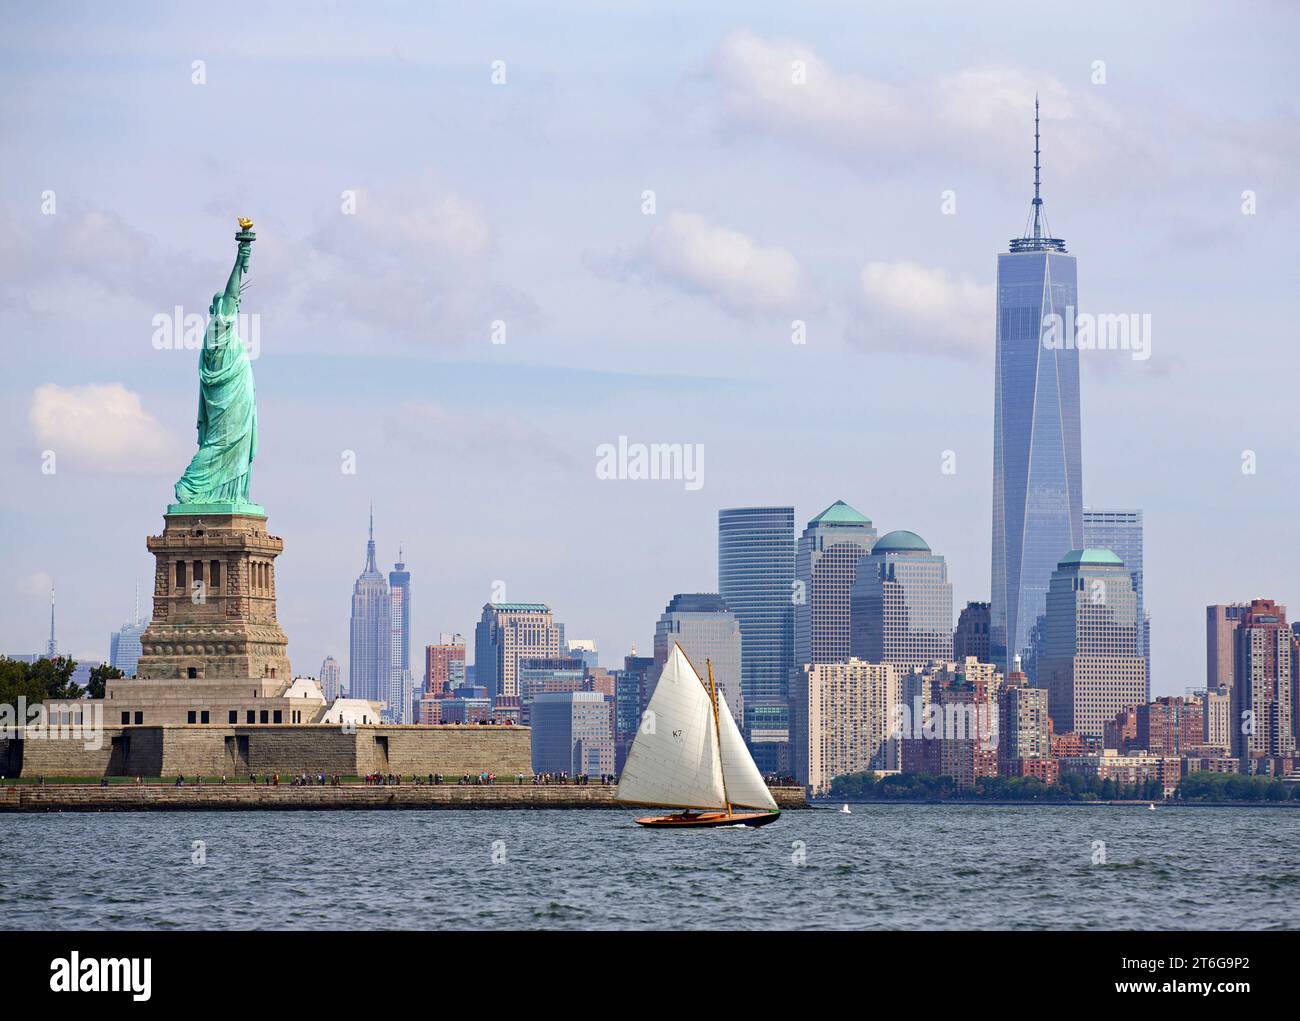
(674, 760)
(745, 786)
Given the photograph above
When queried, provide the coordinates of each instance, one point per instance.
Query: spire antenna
(1040, 238)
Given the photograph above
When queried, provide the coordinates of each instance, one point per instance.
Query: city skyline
(485, 403)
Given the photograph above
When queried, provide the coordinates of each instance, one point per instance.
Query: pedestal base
(250, 510)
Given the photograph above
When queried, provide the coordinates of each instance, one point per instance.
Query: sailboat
(690, 755)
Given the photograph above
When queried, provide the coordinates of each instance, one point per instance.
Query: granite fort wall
(184, 749)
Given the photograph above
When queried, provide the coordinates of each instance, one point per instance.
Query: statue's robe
(222, 467)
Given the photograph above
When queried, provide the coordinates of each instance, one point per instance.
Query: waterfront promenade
(166, 796)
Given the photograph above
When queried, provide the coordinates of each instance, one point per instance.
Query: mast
(1038, 199)
(717, 732)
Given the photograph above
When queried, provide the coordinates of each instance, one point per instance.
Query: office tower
(1037, 463)
(756, 580)
(505, 633)
(1120, 531)
(971, 638)
(708, 632)
(370, 641)
(329, 678)
(573, 732)
(826, 564)
(539, 674)
(1221, 622)
(1090, 665)
(849, 713)
(902, 604)
(585, 650)
(631, 694)
(124, 645)
(1263, 689)
(401, 684)
(444, 664)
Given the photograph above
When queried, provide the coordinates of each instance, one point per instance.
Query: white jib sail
(745, 786)
(674, 759)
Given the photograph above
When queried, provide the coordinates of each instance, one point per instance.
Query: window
(214, 573)
(251, 717)
(192, 672)
(264, 715)
(126, 717)
(139, 717)
(192, 717)
(234, 716)
(198, 570)
(277, 717)
(180, 575)
(203, 716)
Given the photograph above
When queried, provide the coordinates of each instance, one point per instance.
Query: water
(884, 866)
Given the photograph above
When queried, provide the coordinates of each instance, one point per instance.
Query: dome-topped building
(902, 603)
(900, 541)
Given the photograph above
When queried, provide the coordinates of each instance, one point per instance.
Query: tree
(100, 674)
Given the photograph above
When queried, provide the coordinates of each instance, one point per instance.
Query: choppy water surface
(886, 866)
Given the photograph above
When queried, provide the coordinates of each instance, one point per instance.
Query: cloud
(415, 263)
(35, 586)
(102, 427)
(718, 263)
(979, 117)
(909, 308)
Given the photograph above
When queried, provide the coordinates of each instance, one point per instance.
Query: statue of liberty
(217, 478)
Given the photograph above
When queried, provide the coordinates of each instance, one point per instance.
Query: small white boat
(844, 810)
(1152, 806)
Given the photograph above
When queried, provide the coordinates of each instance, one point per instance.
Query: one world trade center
(1037, 471)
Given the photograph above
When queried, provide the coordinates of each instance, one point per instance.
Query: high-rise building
(956, 731)
(540, 674)
(370, 641)
(1090, 665)
(573, 732)
(709, 633)
(971, 638)
(444, 664)
(585, 650)
(1221, 622)
(124, 644)
(507, 632)
(1120, 531)
(631, 694)
(1173, 725)
(826, 566)
(756, 581)
(1217, 730)
(401, 683)
(1037, 458)
(849, 713)
(1264, 677)
(1024, 731)
(902, 604)
(329, 678)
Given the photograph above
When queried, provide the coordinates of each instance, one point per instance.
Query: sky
(493, 237)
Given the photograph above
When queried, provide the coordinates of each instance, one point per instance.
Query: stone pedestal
(214, 601)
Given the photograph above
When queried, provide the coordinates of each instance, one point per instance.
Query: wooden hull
(708, 820)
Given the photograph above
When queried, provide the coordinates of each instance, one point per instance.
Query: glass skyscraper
(756, 580)
(400, 678)
(1037, 463)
